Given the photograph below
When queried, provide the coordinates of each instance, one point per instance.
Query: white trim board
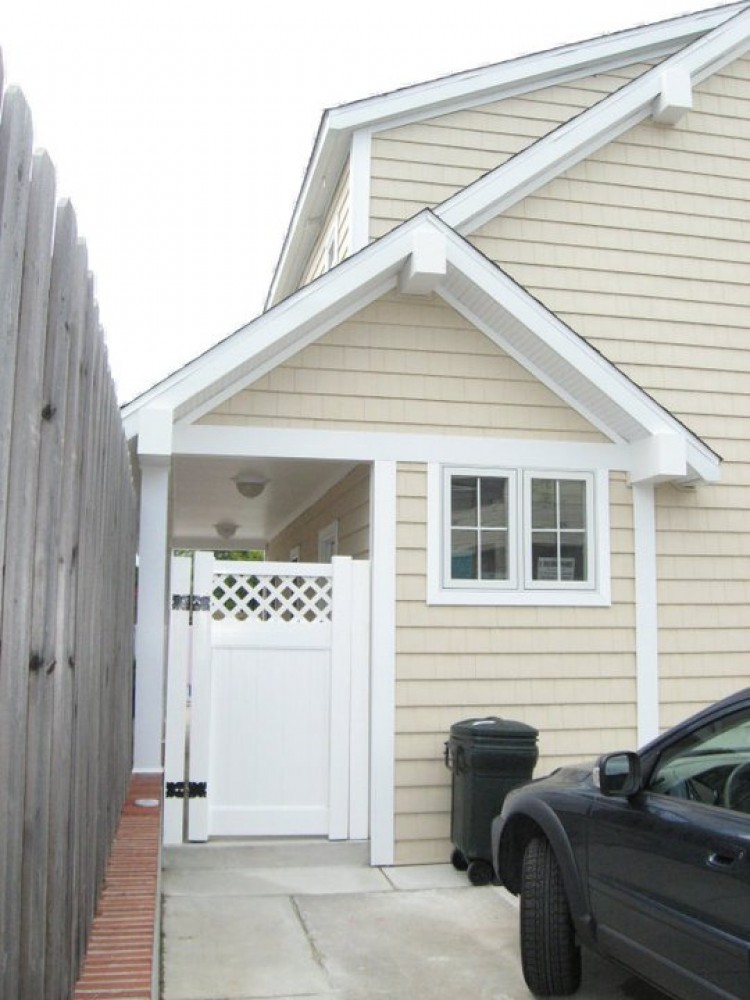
(383, 663)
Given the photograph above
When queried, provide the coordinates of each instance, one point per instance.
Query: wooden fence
(67, 550)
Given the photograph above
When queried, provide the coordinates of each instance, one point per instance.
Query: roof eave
(437, 97)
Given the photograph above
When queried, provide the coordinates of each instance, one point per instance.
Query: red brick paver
(119, 963)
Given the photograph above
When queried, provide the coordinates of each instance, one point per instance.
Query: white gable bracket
(426, 265)
(675, 99)
(659, 458)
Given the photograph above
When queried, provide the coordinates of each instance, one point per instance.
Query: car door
(669, 868)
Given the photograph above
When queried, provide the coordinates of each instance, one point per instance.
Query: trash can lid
(493, 728)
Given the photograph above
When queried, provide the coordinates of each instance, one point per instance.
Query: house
(505, 361)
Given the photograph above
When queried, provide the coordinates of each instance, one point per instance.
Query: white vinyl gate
(268, 678)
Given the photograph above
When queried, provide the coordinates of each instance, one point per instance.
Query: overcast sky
(181, 131)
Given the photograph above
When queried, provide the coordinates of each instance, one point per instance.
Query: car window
(711, 765)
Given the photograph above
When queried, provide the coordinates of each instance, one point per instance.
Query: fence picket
(67, 545)
(15, 162)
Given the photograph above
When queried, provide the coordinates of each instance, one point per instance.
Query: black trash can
(488, 757)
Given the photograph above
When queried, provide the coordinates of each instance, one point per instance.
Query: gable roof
(421, 256)
(465, 90)
(572, 142)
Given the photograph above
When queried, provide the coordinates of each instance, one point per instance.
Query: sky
(181, 130)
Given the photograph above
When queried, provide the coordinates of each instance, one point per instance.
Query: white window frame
(328, 542)
(511, 583)
(594, 591)
(529, 475)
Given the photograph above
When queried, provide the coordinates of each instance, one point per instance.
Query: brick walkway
(120, 959)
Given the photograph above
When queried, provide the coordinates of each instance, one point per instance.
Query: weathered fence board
(67, 551)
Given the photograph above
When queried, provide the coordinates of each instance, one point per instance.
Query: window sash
(479, 535)
(559, 537)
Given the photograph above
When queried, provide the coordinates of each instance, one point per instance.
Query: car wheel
(550, 956)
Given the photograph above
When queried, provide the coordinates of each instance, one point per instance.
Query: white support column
(341, 668)
(383, 660)
(154, 452)
(646, 612)
(359, 760)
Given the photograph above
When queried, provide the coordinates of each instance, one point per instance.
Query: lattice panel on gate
(272, 598)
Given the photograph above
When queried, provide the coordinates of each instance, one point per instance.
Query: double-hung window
(518, 532)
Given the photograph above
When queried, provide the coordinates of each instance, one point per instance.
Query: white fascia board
(323, 303)
(339, 126)
(703, 464)
(276, 351)
(321, 178)
(305, 316)
(566, 146)
(539, 69)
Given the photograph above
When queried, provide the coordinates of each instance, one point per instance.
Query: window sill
(519, 598)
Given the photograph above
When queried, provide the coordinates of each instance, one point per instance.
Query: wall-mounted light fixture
(250, 484)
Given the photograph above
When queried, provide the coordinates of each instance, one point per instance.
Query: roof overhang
(464, 90)
(424, 256)
(663, 94)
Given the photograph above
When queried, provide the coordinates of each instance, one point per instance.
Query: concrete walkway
(255, 920)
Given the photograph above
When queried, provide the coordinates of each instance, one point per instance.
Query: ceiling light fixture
(250, 484)
(226, 529)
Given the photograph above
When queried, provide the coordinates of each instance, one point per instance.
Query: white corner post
(383, 663)
(646, 612)
(154, 455)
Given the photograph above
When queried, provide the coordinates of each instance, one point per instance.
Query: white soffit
(583, 135)
(460, 91)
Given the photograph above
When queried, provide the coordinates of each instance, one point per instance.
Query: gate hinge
(191, 602)
(195, 789)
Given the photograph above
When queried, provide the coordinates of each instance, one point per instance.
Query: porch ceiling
(204, 494)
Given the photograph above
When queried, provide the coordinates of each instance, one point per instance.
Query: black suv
(644, 857)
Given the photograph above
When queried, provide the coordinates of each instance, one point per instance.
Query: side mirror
(618, 774)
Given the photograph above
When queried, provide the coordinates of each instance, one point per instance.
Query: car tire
(550, 956)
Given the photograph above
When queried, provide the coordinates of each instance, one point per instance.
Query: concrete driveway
(255, 920)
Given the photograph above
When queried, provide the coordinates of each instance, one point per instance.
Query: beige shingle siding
(406, 364)
(348, 502)
(570, 672)
(420, 165)
(645, 250)
(337, 220)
